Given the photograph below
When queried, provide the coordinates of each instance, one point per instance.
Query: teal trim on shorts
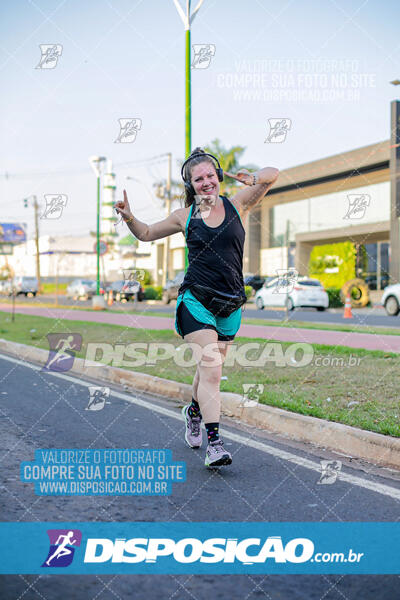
(224, 325)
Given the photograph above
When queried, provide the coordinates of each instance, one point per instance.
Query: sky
(325, 67)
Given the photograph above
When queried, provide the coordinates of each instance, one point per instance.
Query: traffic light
(25, 202)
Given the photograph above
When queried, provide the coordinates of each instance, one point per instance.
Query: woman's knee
(210, 374)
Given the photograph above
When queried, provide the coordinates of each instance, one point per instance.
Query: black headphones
(219, 170)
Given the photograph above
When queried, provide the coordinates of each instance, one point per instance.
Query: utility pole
(187, 20)
(36, 209)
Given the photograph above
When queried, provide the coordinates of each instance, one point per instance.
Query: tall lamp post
(96, 162)
(187, 20)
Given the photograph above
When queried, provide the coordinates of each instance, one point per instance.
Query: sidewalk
(385, 343)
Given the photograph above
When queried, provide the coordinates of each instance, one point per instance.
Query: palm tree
(229, 160)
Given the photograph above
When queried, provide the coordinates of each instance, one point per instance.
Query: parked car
(391, 299)
(81, 289)
(124, 291)
(304, 292)
(371, 281)
(102, 288)
(24, 285)
(170, 291)
(5, 287)
(255, 281)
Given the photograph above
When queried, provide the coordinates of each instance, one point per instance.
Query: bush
(147, 278)
(248, 291)
(340, 256)
(334, 297)
(153, 292)
(50, 288)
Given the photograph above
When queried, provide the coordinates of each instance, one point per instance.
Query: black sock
(194, 409)
(212, 431)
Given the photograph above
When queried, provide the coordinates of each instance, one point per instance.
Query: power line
(152, 159)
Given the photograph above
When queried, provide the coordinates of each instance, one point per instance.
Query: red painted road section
(386, 343)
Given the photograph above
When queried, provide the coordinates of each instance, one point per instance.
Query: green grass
(128, 308)
(316, 390)
(324, 326)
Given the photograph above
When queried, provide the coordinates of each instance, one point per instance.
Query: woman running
(208, 308)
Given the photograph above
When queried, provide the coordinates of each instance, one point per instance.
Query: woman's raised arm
(174, 223)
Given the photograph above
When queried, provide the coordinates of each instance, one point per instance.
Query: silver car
(24, 285)
(81, 289)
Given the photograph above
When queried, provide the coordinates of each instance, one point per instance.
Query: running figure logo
(128, 130)
(50, 55)
(98, 397)
(133, 274)
(357, 205)
(286, 281)
(203, 54)
(205, 200)
(251, 394)
(278, 129)
(62, 547)
(55, 203)
(329, 471)
(62, 351)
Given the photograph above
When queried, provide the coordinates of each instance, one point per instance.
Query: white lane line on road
(379, 488)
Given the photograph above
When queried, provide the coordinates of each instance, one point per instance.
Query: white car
(391, 299)
(304, 292)
(81, 289)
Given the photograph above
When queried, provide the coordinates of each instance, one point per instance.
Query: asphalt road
(373, 316)
(41, 410)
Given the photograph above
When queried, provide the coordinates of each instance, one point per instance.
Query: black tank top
(215, 254)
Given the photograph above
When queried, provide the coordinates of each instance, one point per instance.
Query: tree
(229, 160)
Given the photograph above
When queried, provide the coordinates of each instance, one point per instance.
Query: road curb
(374, 447)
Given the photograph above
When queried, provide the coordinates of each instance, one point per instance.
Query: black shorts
(188, 324)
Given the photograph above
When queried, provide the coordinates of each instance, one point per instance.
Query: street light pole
(187, 20)
(96, 162)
